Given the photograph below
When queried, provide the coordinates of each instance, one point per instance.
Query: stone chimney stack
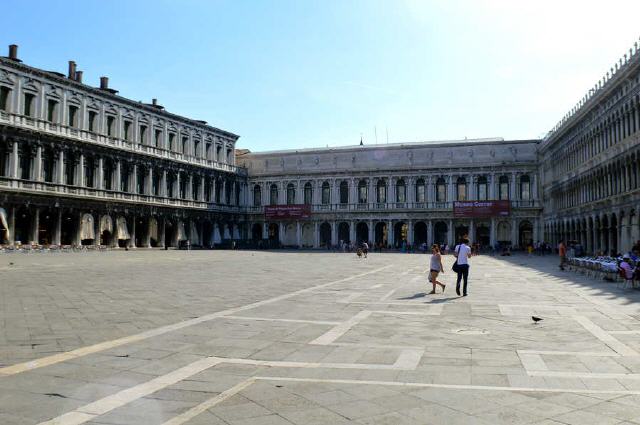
(72, 70)
(104, 83)
(13, 52)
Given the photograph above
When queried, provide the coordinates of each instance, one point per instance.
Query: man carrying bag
(461, 265)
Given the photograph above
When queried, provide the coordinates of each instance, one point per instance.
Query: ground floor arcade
(319, 233)
(68, 223)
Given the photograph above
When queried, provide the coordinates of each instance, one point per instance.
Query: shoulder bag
(456, 267)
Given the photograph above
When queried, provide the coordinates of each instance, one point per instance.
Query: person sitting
(626, 270)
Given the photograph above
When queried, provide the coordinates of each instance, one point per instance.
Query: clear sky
(301, 73)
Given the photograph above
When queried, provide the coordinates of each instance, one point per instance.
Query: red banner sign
(287, 211)
(481, 209)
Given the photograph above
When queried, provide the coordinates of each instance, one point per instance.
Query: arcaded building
(80, 165)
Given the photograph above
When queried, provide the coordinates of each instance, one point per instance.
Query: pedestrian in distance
(562, 253)
(365, 249)
(461, 266)
(435, 268)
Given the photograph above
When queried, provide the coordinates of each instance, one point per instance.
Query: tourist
(435, 268)
(626, 270)
(562, 253)
(365, 249)
(462, 253)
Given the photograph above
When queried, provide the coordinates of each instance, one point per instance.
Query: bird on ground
(535, 319)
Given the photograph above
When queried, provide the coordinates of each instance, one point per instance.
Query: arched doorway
(307, 235)
(22, 226)
(362, 232)
(290, 236)
(343, 232)
(141, 231)
(614, 234)
(122, 231)
(106, 230)
(400, 231)
(207, 233)
(483, 235)
(460, 232)
(87, 230)
(381, 233)
(274, 232)
(325, 234)
(504, 233)
(169, 233)
(46, 226)
(256, 232)
(525, 234)
(420, 235)
(440, 231)
(154, 234)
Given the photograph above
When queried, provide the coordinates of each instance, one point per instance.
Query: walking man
(562, 252)
(462, 252)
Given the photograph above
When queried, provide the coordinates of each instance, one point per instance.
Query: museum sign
(287, 211)
(481, 209)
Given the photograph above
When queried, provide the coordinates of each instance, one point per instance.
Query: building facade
(396, 194)
(80, 165)
(590, 163)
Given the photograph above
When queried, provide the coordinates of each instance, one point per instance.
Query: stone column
(265, 230)
(132, 241)
(201, 189)
(78, 235)
(391, 190)
(149, 185)
(281, 230)
(371, 195)
(118, 176)
(352, 232)
(410, 232)
(450, 192)
(390, 234)
(371, 235)
(163, 187)
(176, 191)
(162, 232)
(35, 226)
(298, 234)
(147, 237)
(57, 234)
(190, 187)
(430, 235)
(334, 233)
(492, 233)
(14, 160)
(12, 226)
(100, 182)
(491, 181)
(512, 191)
(316, 235)
(37, 175)
(514, 233)
(451, 234)
(80, 173)
(133, 184)
(472, 232)
(60, 169)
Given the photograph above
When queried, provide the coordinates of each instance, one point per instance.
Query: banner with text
(481, 209)
(287, 211)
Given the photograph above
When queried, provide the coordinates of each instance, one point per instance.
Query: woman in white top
(462, 253)
(435, 267)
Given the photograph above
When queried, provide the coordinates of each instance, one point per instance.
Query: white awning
(106, 224)
(122, 230)
(193, 234)
(4, 223)
(227, 235)
(236, 232)
(182, 235)
(87, 229)
(153, 228)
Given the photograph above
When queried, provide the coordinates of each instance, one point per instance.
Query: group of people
(462, 252)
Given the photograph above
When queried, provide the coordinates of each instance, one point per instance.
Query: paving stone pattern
(253, 338)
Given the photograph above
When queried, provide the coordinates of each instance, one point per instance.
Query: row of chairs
(36, 248)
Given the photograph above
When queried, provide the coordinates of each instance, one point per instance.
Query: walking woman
(461, 267)
(435, 268)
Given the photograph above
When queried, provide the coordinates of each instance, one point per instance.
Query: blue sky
(293, 74)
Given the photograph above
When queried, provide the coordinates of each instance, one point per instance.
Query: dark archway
(440, 233)
(400, 230)
(420, 235)
(169, 233)
(68, 229)
(483, 235)
(22, 226)
(525, 234)
(325, 234)
(46, 226)
(362, 232)
(256, 232)
(274, 232)
(460, 232)
(613, 226)
(141, 231)
(381, 233)
(343, 232)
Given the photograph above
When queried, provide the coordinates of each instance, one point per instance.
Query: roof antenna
(361, 144)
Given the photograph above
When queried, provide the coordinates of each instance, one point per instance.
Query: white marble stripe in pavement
(532, 362)
(606, 337)
(106, 404)
(335, 333)
(208, 404)
(448, 386)
(80, 352)
(273, 319)
(571, 353)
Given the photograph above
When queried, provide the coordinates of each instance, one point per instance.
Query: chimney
(72, 70)
(104, 83)
(154, 102)
(79, 76)
(13, 52)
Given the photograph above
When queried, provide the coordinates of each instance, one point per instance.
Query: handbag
(456, 267)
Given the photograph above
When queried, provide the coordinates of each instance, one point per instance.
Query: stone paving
(252, 338)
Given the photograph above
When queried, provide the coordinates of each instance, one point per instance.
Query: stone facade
(396, 194)
(589, 165)
(82, 165)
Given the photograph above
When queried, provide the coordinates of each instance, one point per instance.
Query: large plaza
(241, 337)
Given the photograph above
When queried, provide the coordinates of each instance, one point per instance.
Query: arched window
(382, 191)
(441, 190)
(482, 189)
(308, 193)
(401, 191)
(326, 193)
(291, 194)
(525, 188)
(362, 192)
(273, 195)
(503, 188)
(257, 195)
(344, 192)
(420, 192)
(461, 189)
